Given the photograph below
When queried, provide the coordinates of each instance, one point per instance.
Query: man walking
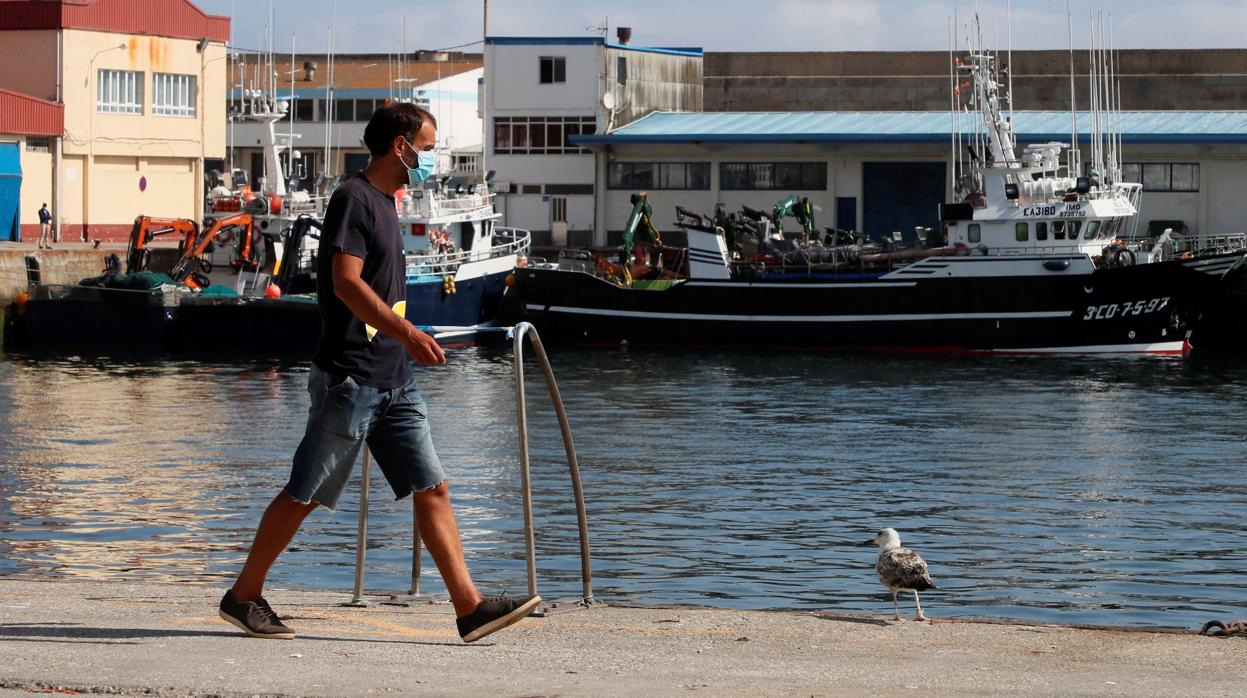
(45, 227)
(362, 389)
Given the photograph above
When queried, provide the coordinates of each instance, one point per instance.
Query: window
(540, 135)
(1162, 176)
(558, 209)
(621, 70)
(119, 92)
(553, 70)
(787, 176)
(364, 109)
(1058, 230)
(1041, 230)
(305, 110)
(173, 95)
(38, 144)
(659, 175)
(343, 110)
(1022, 231)
(974, 233)
(1184, 177)
(1155, 177)
(1073, 228)
(1093, 229)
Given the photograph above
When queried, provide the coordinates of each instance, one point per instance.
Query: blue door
(846, 212)
(10, 192)
(898, 196)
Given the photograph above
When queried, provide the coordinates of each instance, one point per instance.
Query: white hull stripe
(799, 318)
(1158, 348)
(764, 284)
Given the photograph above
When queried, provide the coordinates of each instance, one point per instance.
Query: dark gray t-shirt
(361, 221)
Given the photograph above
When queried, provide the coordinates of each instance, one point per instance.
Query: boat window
(1022, 231)
(974, 233)
(1058, 230)
(1093, 230)
(1110, 228)
(1074, 227)
(1041, 230)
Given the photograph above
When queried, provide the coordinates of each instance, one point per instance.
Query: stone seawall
(65, 264)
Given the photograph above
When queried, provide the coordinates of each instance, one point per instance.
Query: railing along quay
(517, 335)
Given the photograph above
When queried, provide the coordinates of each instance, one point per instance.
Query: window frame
(108, 89)
(557, 73)
(184, 87)
(621, 175)
(765, 175)
(513, 135)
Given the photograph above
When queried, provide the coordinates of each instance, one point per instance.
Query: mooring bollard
(517, 334)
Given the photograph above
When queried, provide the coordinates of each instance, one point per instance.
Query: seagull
(900, 569)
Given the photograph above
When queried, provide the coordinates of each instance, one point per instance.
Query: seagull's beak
(867, 542)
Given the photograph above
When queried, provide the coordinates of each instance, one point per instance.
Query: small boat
(1034, 255)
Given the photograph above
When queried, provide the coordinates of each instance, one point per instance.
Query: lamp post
(90, 164)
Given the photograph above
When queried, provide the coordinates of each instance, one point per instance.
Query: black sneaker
(256, 618)
(494, 614)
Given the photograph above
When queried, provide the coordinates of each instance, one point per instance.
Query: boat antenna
(485, 129)
(1009, 67)
(1075, 167)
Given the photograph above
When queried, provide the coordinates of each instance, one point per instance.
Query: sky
(376, 26)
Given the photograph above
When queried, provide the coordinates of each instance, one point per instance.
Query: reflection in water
(1059, 489)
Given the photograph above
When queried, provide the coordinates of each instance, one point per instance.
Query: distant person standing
(362, 390)
(45, 227)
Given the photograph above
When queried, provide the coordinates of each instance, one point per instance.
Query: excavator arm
(639, 220)
(193, 253)
(799, 208)
(147, 228)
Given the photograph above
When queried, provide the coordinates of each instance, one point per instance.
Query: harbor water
(1073, 490)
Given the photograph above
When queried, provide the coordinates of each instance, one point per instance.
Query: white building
(542, 92)
(330, 104)
(886, 172)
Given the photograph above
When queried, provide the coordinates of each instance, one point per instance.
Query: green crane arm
(799, 208)
(638, 220)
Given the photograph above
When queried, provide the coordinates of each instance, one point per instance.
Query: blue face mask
(426, 160)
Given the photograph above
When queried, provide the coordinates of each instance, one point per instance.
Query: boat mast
(1075, 167)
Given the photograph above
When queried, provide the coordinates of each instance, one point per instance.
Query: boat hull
(115, 320)
(1145, 308)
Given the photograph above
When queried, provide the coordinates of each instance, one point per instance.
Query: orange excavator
(146, 229)
(192, 266)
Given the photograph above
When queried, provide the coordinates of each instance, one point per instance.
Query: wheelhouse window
(1041, 230)
(173, 95)
(974, 233)
(1058, 230)
(1022, 231)
(119, 92)
(1092, 231)
(553, 70)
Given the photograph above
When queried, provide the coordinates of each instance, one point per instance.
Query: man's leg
(440, 533)
(277, 527)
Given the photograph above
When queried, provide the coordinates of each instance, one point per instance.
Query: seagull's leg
(919, 616)
(896, 610)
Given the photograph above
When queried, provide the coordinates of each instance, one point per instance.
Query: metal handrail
(517, 334)
(433, 263)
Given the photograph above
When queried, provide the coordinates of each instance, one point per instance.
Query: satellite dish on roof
(608, 101)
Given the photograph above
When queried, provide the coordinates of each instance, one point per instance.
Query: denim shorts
(344, 415)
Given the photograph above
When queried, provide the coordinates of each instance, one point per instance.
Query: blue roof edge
(799, 139)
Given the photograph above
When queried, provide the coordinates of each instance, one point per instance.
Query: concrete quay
(161, 639)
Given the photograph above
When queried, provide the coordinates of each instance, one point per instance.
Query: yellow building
(142, 85)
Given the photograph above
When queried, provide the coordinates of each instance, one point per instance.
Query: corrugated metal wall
(173, 18)
(28, 116)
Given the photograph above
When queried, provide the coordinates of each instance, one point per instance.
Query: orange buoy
(272, 291)
(20, 301)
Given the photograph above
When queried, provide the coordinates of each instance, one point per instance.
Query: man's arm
(368, 307)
